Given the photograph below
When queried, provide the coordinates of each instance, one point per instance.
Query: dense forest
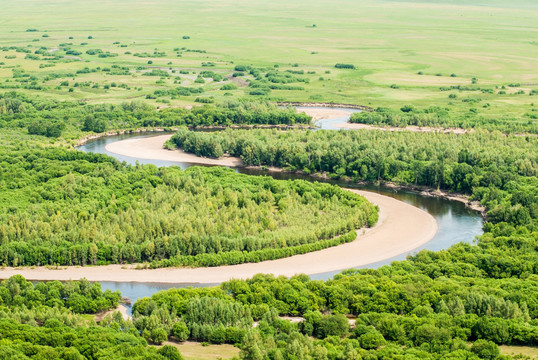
(61, 206)
(71, 119)
(459, 303)
(402, 311)
(436, 116)
(71, 71)
(67, 207)
(499, 171)
(47, 321)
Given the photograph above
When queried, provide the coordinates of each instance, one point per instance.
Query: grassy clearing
(196, 351)
(389, 42)
(531, 352)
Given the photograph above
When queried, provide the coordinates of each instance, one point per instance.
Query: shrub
(260, 91)
(344, 66)
(407, 108)
(159, 335)
(229, 87)
(241, 68)
(170, 353)
(180, 331)
(205, 100)
(485, 349)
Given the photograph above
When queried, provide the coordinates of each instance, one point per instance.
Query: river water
(456, 223)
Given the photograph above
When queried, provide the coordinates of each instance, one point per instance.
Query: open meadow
(470, 57)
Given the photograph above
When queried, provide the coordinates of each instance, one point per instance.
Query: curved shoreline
(325, 105)
(400, 229)
(151, 148)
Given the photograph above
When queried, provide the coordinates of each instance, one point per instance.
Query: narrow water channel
(456, 222)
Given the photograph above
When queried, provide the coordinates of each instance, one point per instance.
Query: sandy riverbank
(325, 113)
(152, 148)
(121, 308)
(401, 228)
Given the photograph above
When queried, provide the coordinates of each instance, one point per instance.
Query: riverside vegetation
(499, 171)
(52, 321)
(98, 70)
(71, 208)
(459, 303)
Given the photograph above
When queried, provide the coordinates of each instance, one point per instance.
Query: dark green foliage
(170, 353)
(260, 91)
(80, 296)
(320, 326)
(229, 87)
(180, 331)
(344, 66)
(48, 129)
(91, 123)
(205, 100)
(504, 180)
(485, 349)
(67, 207)
(196, 314)
(157, 72)
(17, 110)
(276, 76)
(41, 321)
(440, 117)
(242, 68)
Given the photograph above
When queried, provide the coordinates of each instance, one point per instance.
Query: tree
(159, 335)
(485, 349)
(371, 340)
(180, 331)
(170, 352)
(251, 347)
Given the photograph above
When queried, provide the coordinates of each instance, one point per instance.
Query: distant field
(389, 43)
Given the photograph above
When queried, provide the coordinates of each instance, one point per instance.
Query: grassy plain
(530, 352)
(196, 351)
(388, 41)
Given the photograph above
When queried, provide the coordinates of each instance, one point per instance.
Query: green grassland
(389, 42)
(530, 352)
(196, 351)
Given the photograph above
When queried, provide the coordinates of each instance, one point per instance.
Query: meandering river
(456, 223)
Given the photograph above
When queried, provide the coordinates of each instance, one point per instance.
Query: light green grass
(195, 351)
(531, 352)
(388, 41)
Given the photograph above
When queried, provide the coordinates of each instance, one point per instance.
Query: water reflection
(328, 124)
(456, 223)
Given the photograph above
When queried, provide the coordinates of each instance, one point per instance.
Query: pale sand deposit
(325, 113)
(401, 228)
(121, 308)
(152, 148)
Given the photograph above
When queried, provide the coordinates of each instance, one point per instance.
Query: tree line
(72, 208)
(499, 171)
(444, 117)
(45, 321)
(53, 118)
